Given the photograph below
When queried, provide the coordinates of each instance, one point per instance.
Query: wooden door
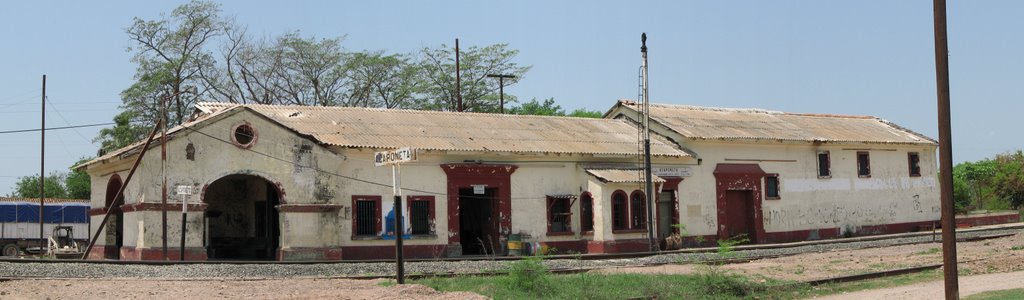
(739, 213)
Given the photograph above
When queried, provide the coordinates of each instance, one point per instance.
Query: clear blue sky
(841, 57)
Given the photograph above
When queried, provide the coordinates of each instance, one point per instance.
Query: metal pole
(42, 169)
(120, 191)
(163, 171)
(949, 268)
(184, 217)
(501, 87)
(458, 75)
(396, 171)
(649, 183)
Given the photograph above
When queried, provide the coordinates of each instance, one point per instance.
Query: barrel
(515, 244)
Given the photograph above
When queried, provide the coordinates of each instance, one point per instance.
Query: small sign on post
(183, 191)
(386, 158)
(394, 159)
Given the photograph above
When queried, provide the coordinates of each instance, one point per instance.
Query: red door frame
(739, 177)
(671, 183)
(465, 176)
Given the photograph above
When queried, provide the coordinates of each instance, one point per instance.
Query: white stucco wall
(844, 201)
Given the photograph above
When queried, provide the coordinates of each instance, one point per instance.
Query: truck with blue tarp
(19, 224)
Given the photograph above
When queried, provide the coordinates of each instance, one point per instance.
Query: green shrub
(716, 282)
(530, 275)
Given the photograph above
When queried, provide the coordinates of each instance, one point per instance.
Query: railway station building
(300, 183)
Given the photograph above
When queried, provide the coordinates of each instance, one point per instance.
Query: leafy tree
(247, 70)
(549, 108)
(478, 91)
(388, 81)
(990, 183)
(584, 113)
(534, 107)
(961, 194)
(28, 186)
(125, 132)
(170, 54)
(1008, 179)
(977, 175)
(77, 183)
(313, 71)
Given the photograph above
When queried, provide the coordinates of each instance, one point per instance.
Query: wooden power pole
(949, 268)
(42, 165)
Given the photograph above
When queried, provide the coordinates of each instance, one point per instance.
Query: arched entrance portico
(242, 218)
(114, 237)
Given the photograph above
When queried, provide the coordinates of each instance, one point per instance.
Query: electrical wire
(61, 115)
(26, 99)
(55, 128)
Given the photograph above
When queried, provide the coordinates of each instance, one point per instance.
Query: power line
(55, 128)
(61, 115)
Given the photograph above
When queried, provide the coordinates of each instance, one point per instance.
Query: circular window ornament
(243, 135)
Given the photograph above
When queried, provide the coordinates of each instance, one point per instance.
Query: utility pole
(42, 165)
(396, 174)
(458, 76)
(184, 221)
(163, 171)
(649, 183)
(501, 88)
(949, 268)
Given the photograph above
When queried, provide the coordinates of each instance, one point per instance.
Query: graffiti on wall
(837, 214)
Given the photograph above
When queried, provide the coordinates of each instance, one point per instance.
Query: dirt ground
(979, 257)
(218, 289)
(969, 285)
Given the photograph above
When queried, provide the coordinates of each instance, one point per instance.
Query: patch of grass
(930, 251)
(870, 284)
(1004, 294)
(387, 283)
(624, 286)
(1017, 248)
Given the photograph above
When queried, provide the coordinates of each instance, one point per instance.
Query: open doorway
(666, 205)
(114, 237)
(478, 221)
(243, 222)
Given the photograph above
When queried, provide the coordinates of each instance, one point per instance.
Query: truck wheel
(10, 250)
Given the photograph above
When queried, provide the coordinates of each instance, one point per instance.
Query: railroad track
(493, 266)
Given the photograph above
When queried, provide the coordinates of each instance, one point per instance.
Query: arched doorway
(242, 218)
(114, 238)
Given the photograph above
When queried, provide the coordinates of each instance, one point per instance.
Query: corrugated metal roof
(455, 131)
(128, 150)
(757, 124)
(622, 175)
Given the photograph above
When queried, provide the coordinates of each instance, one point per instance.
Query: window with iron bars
(366, 220)
(421, 214)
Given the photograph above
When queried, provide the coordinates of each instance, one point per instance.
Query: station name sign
(402, 155)
(672, 172)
